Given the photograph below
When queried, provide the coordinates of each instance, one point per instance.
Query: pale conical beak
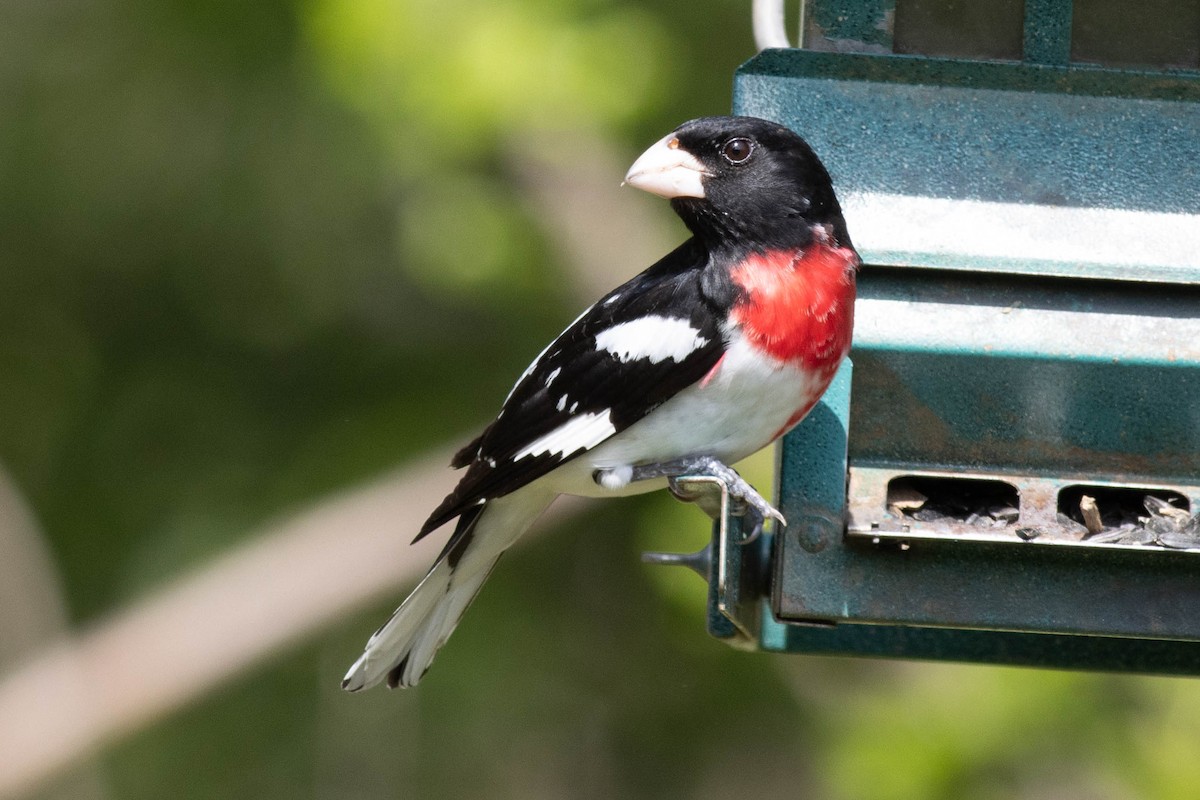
(667, 170)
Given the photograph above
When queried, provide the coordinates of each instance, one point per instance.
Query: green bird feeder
(1010, 470)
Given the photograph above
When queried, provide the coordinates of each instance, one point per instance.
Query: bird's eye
(736, 151)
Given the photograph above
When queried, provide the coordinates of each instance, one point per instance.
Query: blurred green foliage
(254, 252)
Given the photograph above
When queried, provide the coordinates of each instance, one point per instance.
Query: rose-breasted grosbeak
(706, 357)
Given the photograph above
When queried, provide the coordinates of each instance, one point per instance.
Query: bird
(709, 355)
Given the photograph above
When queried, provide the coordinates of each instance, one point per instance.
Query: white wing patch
(578, 433)
(652, 337)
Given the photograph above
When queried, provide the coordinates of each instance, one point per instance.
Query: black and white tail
(403, 648)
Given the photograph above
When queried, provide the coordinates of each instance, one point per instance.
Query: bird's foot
(756, 508)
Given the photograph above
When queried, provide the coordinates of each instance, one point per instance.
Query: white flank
(653, 337)
(739, 410)
(580, 433)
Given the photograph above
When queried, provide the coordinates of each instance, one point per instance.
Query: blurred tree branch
(296, 576)
(32, 610)
(286, 582)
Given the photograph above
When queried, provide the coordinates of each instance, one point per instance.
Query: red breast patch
(799, 304)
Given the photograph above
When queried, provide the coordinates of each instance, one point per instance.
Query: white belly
(737, 411)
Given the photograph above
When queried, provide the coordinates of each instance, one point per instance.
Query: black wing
(574, 377)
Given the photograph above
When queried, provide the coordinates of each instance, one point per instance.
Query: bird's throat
(798, 305)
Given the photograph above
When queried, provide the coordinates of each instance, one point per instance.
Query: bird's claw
(680, 492)
(746, 500)
(755, 509)
(740, 490)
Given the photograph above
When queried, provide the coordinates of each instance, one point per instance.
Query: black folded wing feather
(592, 379)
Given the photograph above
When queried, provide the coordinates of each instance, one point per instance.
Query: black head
(742, 183)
